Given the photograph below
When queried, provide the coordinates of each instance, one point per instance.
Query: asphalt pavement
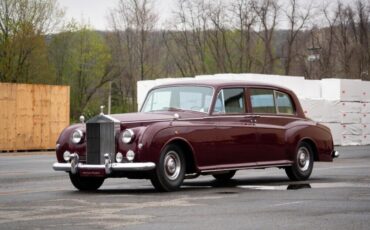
(337, 196)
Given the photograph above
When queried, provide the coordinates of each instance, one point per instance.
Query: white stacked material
(302, 88)
(342, 89)
(366, 91)
(313, 108)
(365, 107)
(350, 118)
(143, 88)
(205, 77)
(365, 128)
(347, 107)
(341, 104)
(226, 76)
(366, 139)
(343, 117)
(342, 112)
(366, 134)
(311, 89)
(348, 139)
(336, 131)
(346, 134)
(332, 111)
(352, 129)
(365, 118)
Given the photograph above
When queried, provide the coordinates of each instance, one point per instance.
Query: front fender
(160, 135)
(153, 138)
(64, 142)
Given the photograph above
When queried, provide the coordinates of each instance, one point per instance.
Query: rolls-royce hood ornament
(102, 110)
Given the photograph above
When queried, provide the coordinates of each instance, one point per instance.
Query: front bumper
(74, 166)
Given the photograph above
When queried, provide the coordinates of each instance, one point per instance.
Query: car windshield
(194, 98)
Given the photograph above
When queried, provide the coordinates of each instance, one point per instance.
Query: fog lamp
(119, 157)
(67, 156)
(130, 155)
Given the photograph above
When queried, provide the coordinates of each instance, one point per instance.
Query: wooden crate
(32, 116)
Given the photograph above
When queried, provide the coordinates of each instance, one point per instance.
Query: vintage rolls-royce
(196, 128)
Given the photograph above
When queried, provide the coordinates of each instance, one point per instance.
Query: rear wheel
(224, 177)
(170, 171)
(86, 183)
(303, 163)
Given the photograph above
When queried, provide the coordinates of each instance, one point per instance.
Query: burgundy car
(196, 128)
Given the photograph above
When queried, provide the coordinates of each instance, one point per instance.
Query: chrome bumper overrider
(335, 154)
(74, 165)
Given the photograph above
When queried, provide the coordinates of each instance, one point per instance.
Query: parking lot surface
(337, 196)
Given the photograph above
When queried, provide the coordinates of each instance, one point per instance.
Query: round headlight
(128, 136)
(130, 155)
(119, 157)
(66, 155)
(77, 136)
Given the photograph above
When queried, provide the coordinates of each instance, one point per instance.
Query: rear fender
(320, 140)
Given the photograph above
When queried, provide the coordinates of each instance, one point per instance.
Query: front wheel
(86, 183)
(170, 171)
(303, 163)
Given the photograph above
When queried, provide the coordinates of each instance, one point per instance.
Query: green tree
(60, 49)
(135, 48)
(82, 60)
(23, 25)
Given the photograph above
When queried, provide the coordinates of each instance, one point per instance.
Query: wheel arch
(313, 146)
(190, 162)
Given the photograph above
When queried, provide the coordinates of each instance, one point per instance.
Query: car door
(235, 134)
(273, 111)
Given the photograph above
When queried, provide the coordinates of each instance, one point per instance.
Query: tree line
(292, 37)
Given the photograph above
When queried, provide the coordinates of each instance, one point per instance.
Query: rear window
(271, 101)
(284, 103)
(262, 101)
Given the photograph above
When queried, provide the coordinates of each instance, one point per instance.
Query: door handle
(253, 118)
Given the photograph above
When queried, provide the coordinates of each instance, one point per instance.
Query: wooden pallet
(32, 116)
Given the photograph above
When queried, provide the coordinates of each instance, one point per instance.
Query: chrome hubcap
(172, 165)
(303, 158)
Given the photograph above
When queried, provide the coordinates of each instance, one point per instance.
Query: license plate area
(92, 172)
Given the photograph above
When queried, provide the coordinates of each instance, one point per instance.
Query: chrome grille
(100, 140)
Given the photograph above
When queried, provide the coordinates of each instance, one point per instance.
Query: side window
(230, 101)
(262, 101)
(284, 103)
